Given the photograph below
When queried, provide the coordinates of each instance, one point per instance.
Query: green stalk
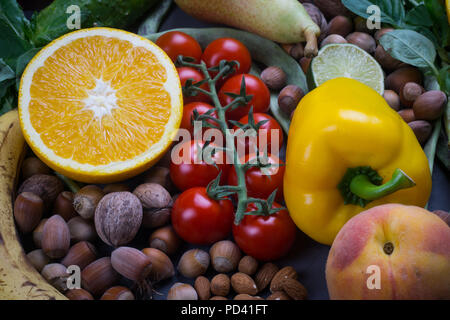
(365, 189)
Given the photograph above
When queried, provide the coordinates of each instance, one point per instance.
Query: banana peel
(18, 278)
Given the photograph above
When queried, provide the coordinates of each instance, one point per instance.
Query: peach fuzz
(409, 245)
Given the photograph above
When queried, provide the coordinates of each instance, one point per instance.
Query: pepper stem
(365, 189)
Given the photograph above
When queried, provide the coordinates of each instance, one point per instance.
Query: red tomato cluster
(196, 217)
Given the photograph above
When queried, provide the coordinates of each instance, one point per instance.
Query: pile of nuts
(123, 243)
(404, 83)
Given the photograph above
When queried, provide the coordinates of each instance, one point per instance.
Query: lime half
(348, 61)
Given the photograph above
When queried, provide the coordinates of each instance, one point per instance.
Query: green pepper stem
(365, 189)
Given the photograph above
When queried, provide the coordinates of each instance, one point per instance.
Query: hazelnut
(340, 25)
(203, 287)
(116, 187)
(381, 33)
(430, 105)
(32, 166)
(162, 266)
(274, 77)
(361, 25)
(79, 294)
(297, 51)
(159, 175)
(392, 99)
(28, 209)
(131, 263)
(220, 285)
(422, 129)
(248, 265)
(407, 115)
(289, 98)
(64, 205)
(409, 93)
(37, 233)
(118, 293)
(386, 60)
(118, 217)
(46, 187)
(182, 291)
(363, 40)
(81, 230)
(38, 259)
(98, 276)
(332, 38)
(193, 263)
(165, 239)
(56, 274)
(81, 254)
(157, 204)
(225, 256)
(397, 79)
(55, 237)
(86, 200)
(304, 64)
(332, 8)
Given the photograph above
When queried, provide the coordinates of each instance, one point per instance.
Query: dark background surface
(307, 257)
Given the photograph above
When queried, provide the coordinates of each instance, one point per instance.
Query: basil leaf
(392, 11)
(410, 47)
(419, 16)
(13, 28)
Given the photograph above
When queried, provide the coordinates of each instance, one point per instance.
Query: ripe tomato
(199, 219)
(188, 113)
(258, 184)
(227, 49)
(265, 238)
(270, 128)
(188, 171)
(253, 86)
(186, 73)
(176, 43)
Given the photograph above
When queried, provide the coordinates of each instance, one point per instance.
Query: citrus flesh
(100, 104)
(348, 61)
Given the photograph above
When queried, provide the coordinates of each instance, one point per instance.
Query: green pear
(283, 21)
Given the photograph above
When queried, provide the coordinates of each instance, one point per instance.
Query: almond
(285, 273)
(203, 287)
(243, 283)
(294, 289)
(278, 295)
(430, 105)
(244, 296)
(220, 285)
(265, 275)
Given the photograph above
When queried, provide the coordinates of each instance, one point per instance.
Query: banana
(18, 279)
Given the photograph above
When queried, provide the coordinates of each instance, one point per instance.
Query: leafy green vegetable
(410, 47)
(392, 11)
(261, 50)
(419, 16)
(152, 22)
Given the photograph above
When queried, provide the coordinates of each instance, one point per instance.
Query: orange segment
(100, 104)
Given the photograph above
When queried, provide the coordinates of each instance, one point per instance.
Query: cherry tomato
(270, 129)
(188, 113)
(253, 86)
(186, 73)
(258, 184)
(199, 219)
(265, 238)
(188, 171)
(176, 43)
(227, 49)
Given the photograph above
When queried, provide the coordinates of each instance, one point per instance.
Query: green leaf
(410, 47)
(441, 28)
(419, 16)
(13, 29)
(22, 62)
(392, 11)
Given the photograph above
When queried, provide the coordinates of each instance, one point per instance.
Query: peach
(391, 252)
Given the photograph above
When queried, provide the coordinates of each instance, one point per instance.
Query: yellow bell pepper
(349, 151)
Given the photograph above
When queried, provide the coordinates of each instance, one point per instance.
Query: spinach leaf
(13, 29)
(410, 47)
(419, 16)
(392, 11)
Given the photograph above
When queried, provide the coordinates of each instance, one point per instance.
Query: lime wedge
(348, 61)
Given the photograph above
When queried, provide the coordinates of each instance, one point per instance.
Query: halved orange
(100, 104)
